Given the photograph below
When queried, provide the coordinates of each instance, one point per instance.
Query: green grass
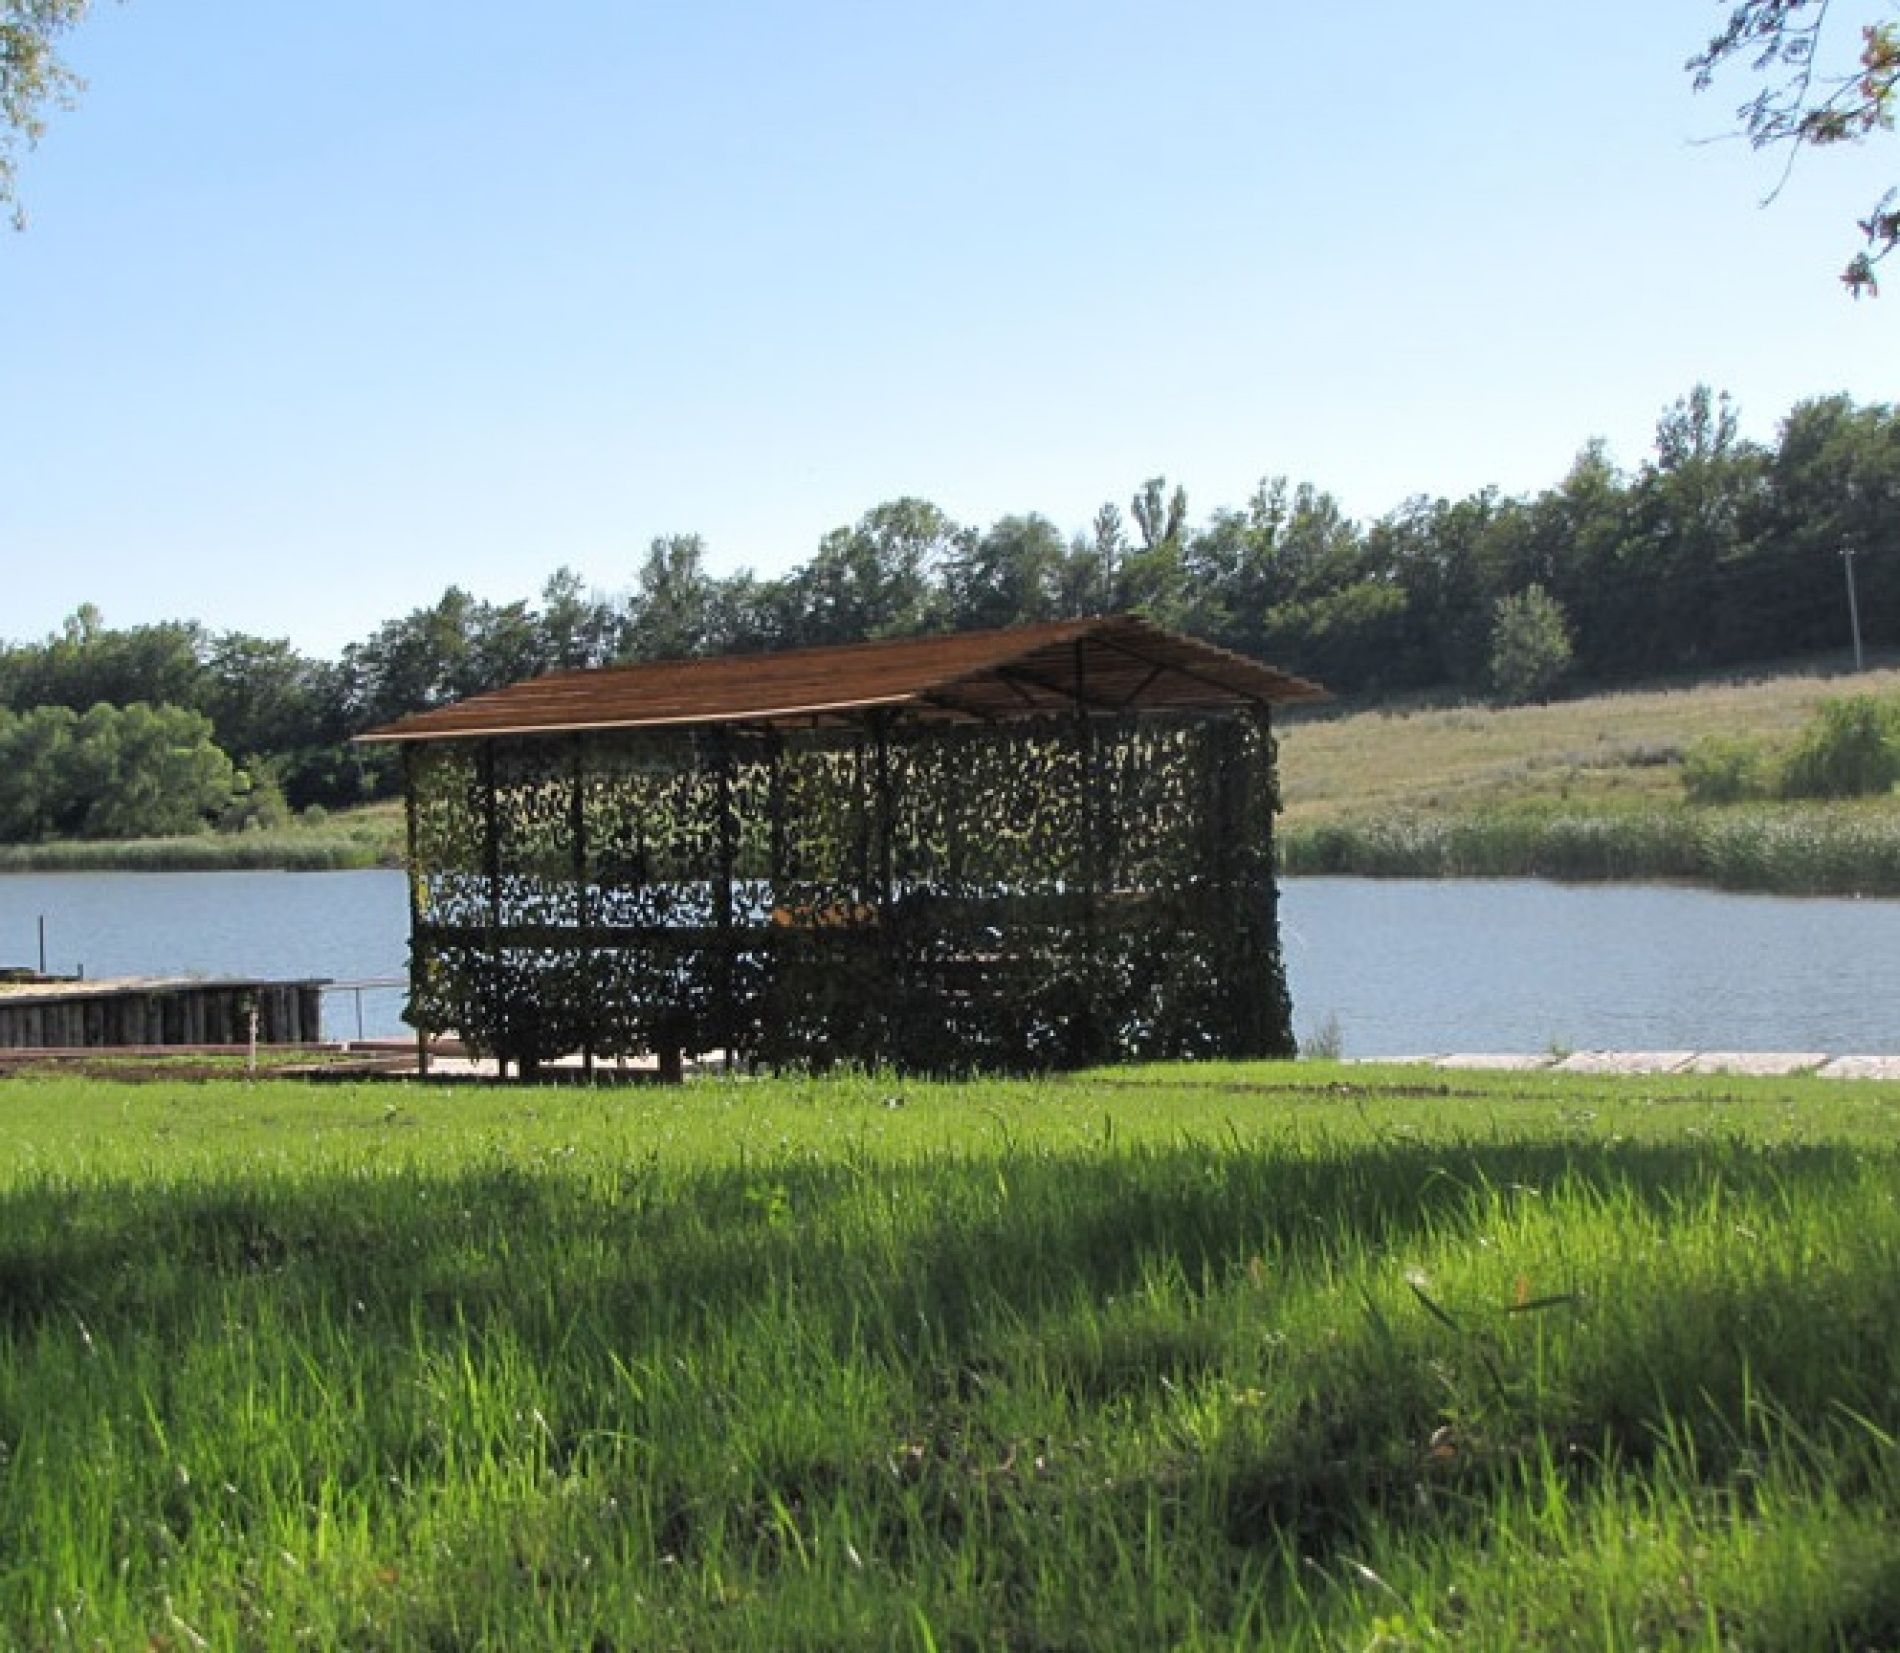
(1228, 1356)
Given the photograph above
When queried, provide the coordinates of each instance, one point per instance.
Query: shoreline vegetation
(1772, 849)
(1838, 849)
(1587, 789)
(347, 842)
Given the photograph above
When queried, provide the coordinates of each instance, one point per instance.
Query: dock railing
(367, 984)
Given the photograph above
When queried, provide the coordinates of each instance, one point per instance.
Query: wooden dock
(158, 1010)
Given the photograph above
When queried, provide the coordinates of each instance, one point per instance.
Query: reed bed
(1248, 1356)
(1823, 849)
(293, 850)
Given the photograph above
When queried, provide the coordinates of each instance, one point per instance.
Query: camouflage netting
(1045, 894)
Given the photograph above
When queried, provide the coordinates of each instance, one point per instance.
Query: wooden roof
(1110, 664)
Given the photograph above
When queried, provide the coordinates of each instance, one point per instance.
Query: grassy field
(1607, 751)
(1290, 1357)
(1586, 788)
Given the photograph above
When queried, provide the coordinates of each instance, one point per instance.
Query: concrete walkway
(1761, 1063)
(1757, 1063)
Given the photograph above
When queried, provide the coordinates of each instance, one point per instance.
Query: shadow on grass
(955, 1241)
(965, 1278)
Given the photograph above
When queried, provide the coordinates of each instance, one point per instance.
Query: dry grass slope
(1612, 750)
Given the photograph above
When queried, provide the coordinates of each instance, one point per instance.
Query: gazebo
(1042, 847)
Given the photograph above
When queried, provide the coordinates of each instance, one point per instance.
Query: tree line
(1715, 551)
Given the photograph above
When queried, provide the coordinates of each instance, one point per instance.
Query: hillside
(1612, 750)
(1589, 788)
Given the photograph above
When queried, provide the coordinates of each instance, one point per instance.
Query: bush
(1530, 646)
(116, 772)
(1850, 750)
(257, 802)
(1724, 770)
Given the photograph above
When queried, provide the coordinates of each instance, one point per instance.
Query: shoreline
(1812, 849)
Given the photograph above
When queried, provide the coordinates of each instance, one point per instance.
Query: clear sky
(323, 308)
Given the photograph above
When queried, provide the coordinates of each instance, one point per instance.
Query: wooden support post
(775, 807)
(1257, 808)
(583, 904)
(418, 965)
(1094, 867)
(491, 866)
(863, 763)
(884, 817)
(727, 839)
(893, 983)
(770, 1036)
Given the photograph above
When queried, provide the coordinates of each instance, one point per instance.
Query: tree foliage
(1714, 552)
(1815, 95)
(1530, 646)
(135, 771)
(1851, 750)
(33, 79)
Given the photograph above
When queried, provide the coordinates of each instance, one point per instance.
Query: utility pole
(1853, 606)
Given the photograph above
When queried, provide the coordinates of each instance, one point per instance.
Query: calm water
(343, 925)
(1413, 967)
(1404, 967)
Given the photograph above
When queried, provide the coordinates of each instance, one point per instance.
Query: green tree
(87, 661)
(1850, 750)
(34, 771)
(576, 629)
(1817, 93)
(1833, 487)
(1530, 646)
(425, 659)
(263, 696)
(878, 577)
(670, 614)
(1006, 577)
(1690, 523)
(1151, 579)
(136, 771)
(32, 79)
(148, 771)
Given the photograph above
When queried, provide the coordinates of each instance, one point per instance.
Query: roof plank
(1108, 660)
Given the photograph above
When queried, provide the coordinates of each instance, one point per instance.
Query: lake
(1400, 967)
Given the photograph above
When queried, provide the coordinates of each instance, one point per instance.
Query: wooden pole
(884, 821)
(894, 985)
(583, 905)
(727, 838)
(417, 962)
(1093, 863)
(491, 860)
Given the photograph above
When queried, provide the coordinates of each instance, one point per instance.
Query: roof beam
(1180, 671)
(1142, 687)
(943, 702)
(1015, 675)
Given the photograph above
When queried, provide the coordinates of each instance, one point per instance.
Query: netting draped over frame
(1045, 893)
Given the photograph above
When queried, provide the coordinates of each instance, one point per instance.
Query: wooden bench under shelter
(1041, 847)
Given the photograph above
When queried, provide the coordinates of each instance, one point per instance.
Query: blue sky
(324, 308)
